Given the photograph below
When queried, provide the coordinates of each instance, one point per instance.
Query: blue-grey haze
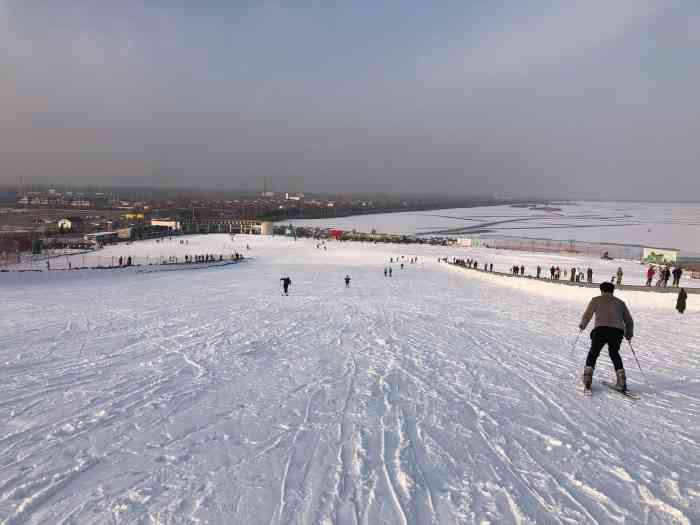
(584, 99)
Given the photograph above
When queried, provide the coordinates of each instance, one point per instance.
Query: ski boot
(587, 377)
(621, 384)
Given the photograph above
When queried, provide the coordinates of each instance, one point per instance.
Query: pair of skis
(613, 386)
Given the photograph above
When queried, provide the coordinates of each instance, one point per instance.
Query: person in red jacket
(650, 274)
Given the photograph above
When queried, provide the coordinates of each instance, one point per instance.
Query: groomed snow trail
(437, 396)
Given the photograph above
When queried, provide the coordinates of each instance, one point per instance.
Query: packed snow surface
(436, 396)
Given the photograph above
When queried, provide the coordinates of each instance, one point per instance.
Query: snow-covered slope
(434, 396)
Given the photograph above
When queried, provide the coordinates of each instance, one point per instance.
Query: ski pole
(640, 366)
(575, 343)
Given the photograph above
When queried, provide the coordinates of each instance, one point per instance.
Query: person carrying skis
(612, 322)
(347, 281)
(286, 281)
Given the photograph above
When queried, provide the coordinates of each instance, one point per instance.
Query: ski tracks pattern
(427, 398)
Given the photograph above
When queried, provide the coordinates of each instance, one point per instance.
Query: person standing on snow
(589, 274)
(650, 274)
(347, 281)
(389, 271)
(386, 270)
(612, 322)
(680, 302)
(286, 281)
(619, 275)
(677, 274)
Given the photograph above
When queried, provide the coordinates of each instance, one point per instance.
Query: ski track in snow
(437, 396)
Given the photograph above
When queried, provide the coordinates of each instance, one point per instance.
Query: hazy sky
(570, 97)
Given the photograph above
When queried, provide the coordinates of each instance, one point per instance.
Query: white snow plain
(436, 396)
(652, 224)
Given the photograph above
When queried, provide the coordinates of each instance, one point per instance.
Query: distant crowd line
(578, 275)
(125, 262)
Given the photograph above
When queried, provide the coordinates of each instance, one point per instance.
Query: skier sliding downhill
(347, 281)
(286, 281)
(612, 322)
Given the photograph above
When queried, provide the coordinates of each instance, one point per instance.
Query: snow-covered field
(435, 396)
(660, 225)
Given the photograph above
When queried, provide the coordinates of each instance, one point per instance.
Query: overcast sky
(530, 97)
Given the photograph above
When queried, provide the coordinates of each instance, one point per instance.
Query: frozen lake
(660, 225)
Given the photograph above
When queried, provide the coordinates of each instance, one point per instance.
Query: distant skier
(491, 267)
(680, 303)
(347, 281)
(522, 270)
(402, 266)
(386, 270)
(539, 271)
(552, 270)
(389, 271)
(612, 322)
(573, 274)
(286, 282)
(589, 274)
(619, 275)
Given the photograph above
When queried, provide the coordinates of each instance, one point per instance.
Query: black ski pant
(605, 335)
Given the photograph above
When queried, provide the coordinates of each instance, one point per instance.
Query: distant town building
(70, 224)
(167, 223)
(136, 216)
(102, 237)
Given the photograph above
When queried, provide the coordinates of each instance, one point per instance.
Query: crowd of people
(577, 275)
(470, 263)
(401, 261)
(186, 259)
(663, 275)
